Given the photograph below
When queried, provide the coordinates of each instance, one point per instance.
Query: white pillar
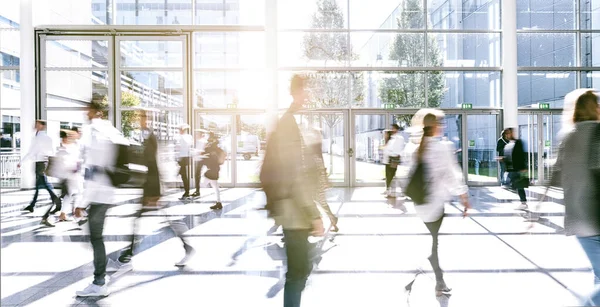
(27, 90)
(509, 63)
(271, 64)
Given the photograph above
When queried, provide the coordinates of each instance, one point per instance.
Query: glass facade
(403, 56)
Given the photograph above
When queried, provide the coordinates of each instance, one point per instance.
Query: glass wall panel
(546, 15)
(153, 12)
(452, 124)
(312, 14)
(464, 50)
(388, 49)
(10, 140)
(222, 126)
(251, 142)
(229, 50)
(10, 47)
(369, 144)
(546, 49)
(589, 79)
(546, 87)
(552, 123)
(153, 89)
(463, 14)
(313, 49)
(77, 53)
(528, 133)
(590, 49)
(10, 89)
(216, 89)
(482, 132)
(230, 12)
(75, 89)
(391, 89)
(325, 89)
(151, 53)
(590, 14)
(390, 14)
(452, 89)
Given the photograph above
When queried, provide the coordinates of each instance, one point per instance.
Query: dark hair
(397, 127)
(429, 122)
(297, 83)
(41, 122)
(586, 107)
(63, 134)
(75, 129)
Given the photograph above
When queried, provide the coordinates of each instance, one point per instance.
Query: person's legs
(298, 266)
(388, 176)
(591, 246)
(96, 217)
(215, 185)
(502, 170)
(514, 179)
(183, 171)
(434, 228)
(198, 175)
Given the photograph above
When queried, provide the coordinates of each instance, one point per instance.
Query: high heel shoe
(441, 288)
(334, 221)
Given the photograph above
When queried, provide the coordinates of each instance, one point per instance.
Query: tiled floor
(491, 258)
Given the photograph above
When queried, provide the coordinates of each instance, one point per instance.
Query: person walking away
(502, 142)
(444, 179)
(318, 173)
(40, 150)
(69, 154)
(216, 157)
(516, 164)
(151, 194)
(392, 152)
(575, 170)
(100, 151)
(199, 161)
(184, 145)
(284, 180)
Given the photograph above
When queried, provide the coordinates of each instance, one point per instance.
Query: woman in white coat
(444, 179)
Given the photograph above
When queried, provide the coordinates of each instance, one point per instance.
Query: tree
(406, 89)
(129, 119)
(327, 89)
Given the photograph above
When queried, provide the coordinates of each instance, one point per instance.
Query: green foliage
(407, 89)
(129, 119)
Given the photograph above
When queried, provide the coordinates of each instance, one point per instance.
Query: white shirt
(184, 145)
(200, 147)
(393, 148)
(98, 141)
(444, 177)
(41, 148)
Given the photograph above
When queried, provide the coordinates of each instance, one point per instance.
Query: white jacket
(40, 149)
(393, 148)
(443, 173)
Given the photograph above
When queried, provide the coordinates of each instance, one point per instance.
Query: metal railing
(10, 174)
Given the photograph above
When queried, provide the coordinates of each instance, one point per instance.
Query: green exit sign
(471, 143)
(544, 106)
(467, 106)
(389, 106)
(547, 144)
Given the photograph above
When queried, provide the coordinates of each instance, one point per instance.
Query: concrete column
(271, 64)
(509, 63)
(27, 90)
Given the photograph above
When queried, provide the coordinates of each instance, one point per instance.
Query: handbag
(521, 182)
(417, 186)
(394, 162)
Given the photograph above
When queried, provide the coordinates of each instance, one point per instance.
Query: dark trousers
(96, 218)
(434, 229)
(183, 171)
(299, 266)
(41, 181)
(502, 172)
(178, 227)
(390, 173)
(198, 174)
(514, 178)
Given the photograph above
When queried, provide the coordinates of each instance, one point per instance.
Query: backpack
(221, 156)
(119, 174)
(417, 186)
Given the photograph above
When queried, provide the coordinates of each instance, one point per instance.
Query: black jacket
(515, 157)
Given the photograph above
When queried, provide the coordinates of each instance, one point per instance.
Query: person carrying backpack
(434, 162)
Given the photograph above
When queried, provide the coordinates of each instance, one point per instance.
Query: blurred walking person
(151, 194)
(289, 197)
(318, 173)
(215, 158)
(69, 154)
(100, 153)
(516, 165)
(184, 146)
(40, 150)
(391, 158)
(443, 179)
(502, 142)
(577, 168)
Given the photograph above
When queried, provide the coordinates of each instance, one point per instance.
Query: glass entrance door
(539, 133)
(333, 127)
(482, 134)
